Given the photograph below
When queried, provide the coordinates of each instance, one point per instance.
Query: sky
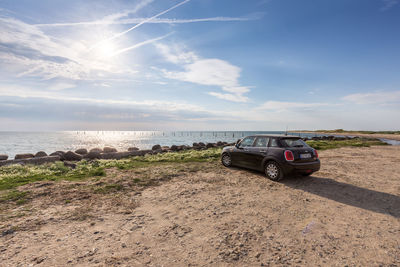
(199, 65)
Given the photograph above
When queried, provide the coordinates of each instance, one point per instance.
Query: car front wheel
(226, 160)
(273, 171)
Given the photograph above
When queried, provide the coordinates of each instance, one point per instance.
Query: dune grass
(356, 142)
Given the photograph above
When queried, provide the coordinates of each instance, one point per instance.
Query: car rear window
(291, 142)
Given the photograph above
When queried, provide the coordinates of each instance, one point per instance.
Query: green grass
(356, 142)
(17, 175)
(355, 132)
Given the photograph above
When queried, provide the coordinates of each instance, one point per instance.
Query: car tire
(306, 174)
(273, 171)
(226, 160)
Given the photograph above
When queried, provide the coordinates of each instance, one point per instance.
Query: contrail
(139, 24)
(140, 20)
(140, 44)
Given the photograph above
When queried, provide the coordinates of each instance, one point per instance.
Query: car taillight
(289, 155)
(316, 153)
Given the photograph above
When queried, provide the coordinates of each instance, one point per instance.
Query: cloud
(21, 92)
(388, 4)
(147, 20)
(374, 98)
(139, 45)
(282, 105)
(209, 71)
(139, 24)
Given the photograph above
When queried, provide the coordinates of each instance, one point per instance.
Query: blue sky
(199, 64)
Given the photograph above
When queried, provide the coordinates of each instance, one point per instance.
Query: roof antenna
(286, 130)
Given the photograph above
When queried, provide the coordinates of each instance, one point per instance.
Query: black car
(276, 155)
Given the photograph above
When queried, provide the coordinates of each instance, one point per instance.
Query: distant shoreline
(373, 135)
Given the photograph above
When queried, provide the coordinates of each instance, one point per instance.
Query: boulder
(3, 157)
(201, 144)
(81, 151)
(24, 156)
(109, 149)
(36, 161)
(133, 149)
(99, 150)
(40, 154)
(210, 145)
(72, 156)
(59, 154)
(174, 148)
(219, 143)
(195, 145)
(156, 147)
(93, 155)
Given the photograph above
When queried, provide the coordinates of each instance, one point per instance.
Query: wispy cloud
(21, 92)
(146, 20)
(282, 105)
(388, 4)
(210, 72)
(139, 45)
(139, 24)
(374, 98)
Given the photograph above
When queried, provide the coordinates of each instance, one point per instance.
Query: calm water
(12, 143)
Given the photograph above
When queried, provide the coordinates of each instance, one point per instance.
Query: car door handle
(246, 150)
(263, 151)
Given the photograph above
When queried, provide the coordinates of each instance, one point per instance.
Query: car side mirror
(237, 143)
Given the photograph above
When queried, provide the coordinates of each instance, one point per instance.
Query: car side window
(261, 142)
(274, 143)
(246, 142)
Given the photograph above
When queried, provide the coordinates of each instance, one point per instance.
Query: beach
(203, 214)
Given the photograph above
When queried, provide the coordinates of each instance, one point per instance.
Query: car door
(241, 154)
(256, 154)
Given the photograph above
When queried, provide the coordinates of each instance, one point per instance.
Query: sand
(377, 135)
(347, 214)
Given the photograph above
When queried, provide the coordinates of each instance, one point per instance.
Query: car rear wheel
(273, 171)
(226, 160)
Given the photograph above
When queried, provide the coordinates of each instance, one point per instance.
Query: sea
(12, 143)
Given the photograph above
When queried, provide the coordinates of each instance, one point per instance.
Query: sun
(105, 49)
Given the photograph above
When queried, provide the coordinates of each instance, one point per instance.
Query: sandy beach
(203, 214)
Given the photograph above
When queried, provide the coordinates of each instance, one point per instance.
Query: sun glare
(105, 49)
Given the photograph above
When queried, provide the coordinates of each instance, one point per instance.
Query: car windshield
(291, 142)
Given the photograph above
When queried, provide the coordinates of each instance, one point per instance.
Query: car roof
(275, 135)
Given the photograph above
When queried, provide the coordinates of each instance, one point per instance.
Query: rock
(24, 156)
(93, 155)
(202, 144)
(36, 161)
(133, 149)
(174, 148)
(195, 145)
(219, 143)
(3, 157)
(59, 153)
(81, 151)
(210, 145)
(99, 150)
(40, 154)
(72, 156)
(69, 164)
(156, 147)
(109, 149)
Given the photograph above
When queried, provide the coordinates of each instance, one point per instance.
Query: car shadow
(347, 194)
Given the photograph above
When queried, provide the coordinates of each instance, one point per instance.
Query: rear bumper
(305, 167)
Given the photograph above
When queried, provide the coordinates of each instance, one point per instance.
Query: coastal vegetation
(13, 176)
(354, 132)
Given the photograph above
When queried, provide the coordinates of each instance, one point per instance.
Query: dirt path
(346, 214)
